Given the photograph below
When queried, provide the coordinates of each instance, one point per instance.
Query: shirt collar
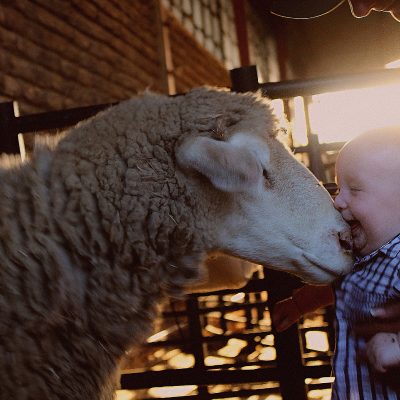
(390, 249)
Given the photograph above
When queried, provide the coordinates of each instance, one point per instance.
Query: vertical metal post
(244, 79)
(8, 135)
(196, 340)
(164, 49)
(287, 343)
(314, 152)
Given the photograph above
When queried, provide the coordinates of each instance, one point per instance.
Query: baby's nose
(339, 202)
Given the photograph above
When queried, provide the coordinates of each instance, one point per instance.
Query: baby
(367, 171)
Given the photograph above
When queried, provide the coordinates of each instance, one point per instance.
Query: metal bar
(288, 351)
(332, 146)
(196, 341)
(214, 338)
(314, 153)
(56, 119)
(309, 87)
(243, 79)
(241, 394)
(205, 310)
(190, 376)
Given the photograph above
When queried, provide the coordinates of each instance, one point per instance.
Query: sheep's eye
(267, 178)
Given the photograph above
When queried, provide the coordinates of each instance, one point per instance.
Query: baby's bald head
(377, 150)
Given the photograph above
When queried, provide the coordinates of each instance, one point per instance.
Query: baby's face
(368, 198)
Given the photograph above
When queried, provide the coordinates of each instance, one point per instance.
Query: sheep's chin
(324, 274)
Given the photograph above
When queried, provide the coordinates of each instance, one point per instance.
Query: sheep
(121, 213)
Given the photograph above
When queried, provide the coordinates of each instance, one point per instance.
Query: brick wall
(68, 53)
(192, 64)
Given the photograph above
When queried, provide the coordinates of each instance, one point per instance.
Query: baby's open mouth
(354, 226)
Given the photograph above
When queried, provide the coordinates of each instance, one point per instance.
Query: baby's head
(368, 177)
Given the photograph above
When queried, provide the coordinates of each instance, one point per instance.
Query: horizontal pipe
(56, 119)
(309, 87)
(193, 376)
(274, 90)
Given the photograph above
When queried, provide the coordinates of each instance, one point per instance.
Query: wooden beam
(239, 11)
(164, 48)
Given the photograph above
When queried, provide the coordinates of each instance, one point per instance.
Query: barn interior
(330, 78)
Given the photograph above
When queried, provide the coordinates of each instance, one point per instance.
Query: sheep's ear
(229, 167)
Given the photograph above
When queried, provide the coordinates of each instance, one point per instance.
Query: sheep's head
(275, 211)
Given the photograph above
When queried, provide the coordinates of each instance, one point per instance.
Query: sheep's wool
(96, 230)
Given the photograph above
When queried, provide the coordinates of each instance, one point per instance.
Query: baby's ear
(229, 168)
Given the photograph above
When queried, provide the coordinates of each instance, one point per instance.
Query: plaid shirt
(375, 280)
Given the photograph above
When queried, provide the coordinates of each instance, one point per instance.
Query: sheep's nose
(345, 240)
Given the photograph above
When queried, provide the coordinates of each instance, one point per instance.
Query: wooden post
(287, 343)
(239, 11)
(314, 151)
(164, 49)
(244, 79)
(196, 340)
(8, 135)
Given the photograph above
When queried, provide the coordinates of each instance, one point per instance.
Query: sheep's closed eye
(267, 179)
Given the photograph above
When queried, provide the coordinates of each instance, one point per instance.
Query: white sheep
(121, 213)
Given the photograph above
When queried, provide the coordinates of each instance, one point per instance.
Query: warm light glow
(267, 354)
(393, 64)
(124, 395)
(268, 340)
(317, 341)
(234, 317)
(171, 353)
(22, 149)
(324, 379)
(181, 360)
(172, 391)
(237, 298)
(233, 348)
(158, 336)
(273, 397)
(320, 394)
(299, 128)
(214, 329)
(250, 367)
(341, 116)
(211, 361)
(312, 320)
(279, 111)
